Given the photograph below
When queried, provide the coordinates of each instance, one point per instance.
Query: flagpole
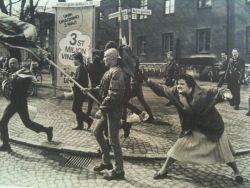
(59, 68)
(71, 79)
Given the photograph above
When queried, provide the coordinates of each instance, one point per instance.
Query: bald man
(111, 91)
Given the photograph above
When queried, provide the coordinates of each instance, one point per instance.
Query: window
(203, 40)
(143, 4)
(204, 3)
(248, 39)
(100, 19)
(141, 44)
(167, 42)
(169, 6)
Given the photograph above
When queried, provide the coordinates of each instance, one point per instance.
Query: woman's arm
(158, 89)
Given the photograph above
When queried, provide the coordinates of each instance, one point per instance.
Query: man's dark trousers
(77, 109)
(234, 87)
(22, 110)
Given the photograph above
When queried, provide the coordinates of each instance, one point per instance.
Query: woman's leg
(237, 175)
(164, 169)
(169, 161)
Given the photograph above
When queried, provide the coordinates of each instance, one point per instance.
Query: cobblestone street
(29, 167)
(143, 150)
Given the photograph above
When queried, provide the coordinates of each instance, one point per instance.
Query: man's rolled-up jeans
(111, 121)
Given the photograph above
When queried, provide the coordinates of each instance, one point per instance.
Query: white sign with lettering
(74, 42)
(75, 29)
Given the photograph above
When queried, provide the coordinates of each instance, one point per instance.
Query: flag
(129, 61)
(15, 33)
(18, 34)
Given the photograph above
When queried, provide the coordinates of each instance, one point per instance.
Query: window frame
(203, 7)
(248, 39)
(198, 32)
(100, 18)
(164, 8)
(141, 45)
(164, 36)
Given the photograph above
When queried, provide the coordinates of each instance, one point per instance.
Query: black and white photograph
(124, 93)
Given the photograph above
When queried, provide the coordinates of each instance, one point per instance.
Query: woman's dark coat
(199, 112)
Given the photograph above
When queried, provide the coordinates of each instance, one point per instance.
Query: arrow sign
(141, 11)
(117, 14)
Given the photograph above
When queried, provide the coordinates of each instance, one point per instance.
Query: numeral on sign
(73, 41)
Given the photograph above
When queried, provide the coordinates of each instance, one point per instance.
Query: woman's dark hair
(189, 80)
(78, 56)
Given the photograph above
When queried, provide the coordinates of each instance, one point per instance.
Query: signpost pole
(128, 14)
(130, 26)
(120, 23)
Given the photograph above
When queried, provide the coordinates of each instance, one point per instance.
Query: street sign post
(129, 14)
(141, 11)
(117, 14)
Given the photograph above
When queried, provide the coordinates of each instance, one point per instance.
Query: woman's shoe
(158, 175)
(238, 178)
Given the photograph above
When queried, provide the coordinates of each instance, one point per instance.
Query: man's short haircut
(78, 56)
(110, 44)
(13, 60)
(114, 54)
(188, 78)
(235, 49)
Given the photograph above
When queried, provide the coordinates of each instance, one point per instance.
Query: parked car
(202, 66)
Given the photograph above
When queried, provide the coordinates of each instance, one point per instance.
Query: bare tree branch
(36, 3)
(3, 7)
(10, 8)
(12, 3)
(45, 6)
(22, 11)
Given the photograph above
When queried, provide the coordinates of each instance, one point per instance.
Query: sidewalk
(145, 141)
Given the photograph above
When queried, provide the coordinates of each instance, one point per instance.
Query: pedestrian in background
(203, 139)
(171, 70)
(81, 77)
(235, 76)
(224, 65)
(96, 70)
(248, 112)
(19, 84)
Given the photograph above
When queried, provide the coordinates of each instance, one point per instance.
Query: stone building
(186, 27)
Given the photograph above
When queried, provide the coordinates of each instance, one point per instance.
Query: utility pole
(130, 25)
(128, 14)
(120, 23)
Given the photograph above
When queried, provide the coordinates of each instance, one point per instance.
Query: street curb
(73, 151)
(242, 152)
(89, 153)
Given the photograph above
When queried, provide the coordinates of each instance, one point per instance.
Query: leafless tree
(3, 7)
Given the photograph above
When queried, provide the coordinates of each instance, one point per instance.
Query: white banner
(75, 30)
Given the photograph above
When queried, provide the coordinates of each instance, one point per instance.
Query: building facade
(184, 27)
